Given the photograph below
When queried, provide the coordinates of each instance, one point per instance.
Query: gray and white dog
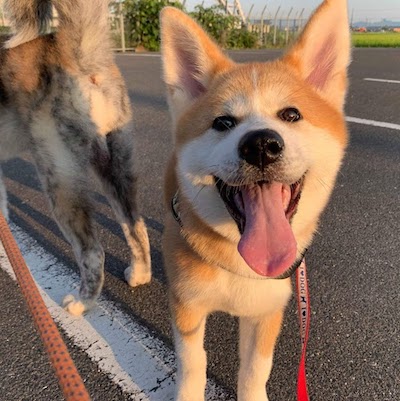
(63, 98)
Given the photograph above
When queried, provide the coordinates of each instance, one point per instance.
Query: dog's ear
(190, 58)
(322, 53)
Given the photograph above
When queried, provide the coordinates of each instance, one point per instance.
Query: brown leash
(69, 379)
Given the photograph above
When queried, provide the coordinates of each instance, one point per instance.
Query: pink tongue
(267, 245)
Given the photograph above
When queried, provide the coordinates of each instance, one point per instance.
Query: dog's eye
(224, 123)
(290, 114)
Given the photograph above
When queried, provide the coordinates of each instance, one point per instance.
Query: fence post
(122, 26)
(294, 23)
(249, 25)
(287, 26)
(352, 18)
(276, 16)
(299, 23)
(295, 20)
(250, 11)
(262, 25)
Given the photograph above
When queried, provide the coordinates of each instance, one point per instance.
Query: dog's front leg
(189, 326)
(257, 341)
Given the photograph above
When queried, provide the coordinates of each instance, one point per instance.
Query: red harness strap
(303, 299)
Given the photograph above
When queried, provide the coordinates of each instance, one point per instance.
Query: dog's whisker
(198, 193)
(325, 185)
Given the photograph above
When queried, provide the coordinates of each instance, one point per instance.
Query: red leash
(303, 299)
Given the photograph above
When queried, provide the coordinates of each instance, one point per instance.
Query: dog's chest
(241, 296)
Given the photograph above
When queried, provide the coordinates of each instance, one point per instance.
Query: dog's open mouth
(262, 212)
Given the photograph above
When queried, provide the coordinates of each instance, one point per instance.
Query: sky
(371, 10)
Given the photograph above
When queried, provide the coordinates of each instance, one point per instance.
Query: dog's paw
(74, 307)
(137, 275)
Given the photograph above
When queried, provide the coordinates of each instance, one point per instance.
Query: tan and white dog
(257, 150)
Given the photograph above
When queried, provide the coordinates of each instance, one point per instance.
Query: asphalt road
(354, 348)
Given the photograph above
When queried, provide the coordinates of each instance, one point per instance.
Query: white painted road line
(373, 123)
(389, 81)
(123, 349)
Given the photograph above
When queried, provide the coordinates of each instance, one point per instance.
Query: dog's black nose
(261, 147)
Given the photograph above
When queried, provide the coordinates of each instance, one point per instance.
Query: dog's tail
(28, 19)
(82, 24)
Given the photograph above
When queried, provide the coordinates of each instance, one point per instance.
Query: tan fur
(269, 331)
(187, 320)
(205, 270)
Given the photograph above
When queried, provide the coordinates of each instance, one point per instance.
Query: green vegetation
(242, 39)
(214, 20)
(376, 39)
(142, 18)
(225, 29)
(143, 25)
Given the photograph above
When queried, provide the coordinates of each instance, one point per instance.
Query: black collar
(286, 274)
(174, 209)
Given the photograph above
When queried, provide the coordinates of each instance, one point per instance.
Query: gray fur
(48, 107)
(28, 18)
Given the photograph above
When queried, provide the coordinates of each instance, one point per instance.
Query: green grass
(376, 39)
